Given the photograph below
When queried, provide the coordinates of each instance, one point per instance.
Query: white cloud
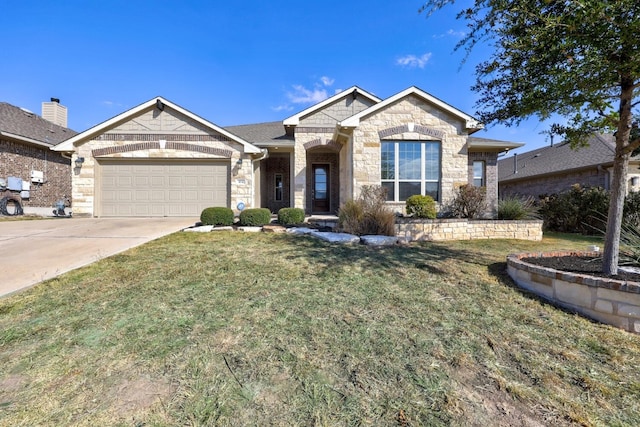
(458, 34)
(451, 33)
(413, 61)
(285, 107)
(327, 81)
(302, 95)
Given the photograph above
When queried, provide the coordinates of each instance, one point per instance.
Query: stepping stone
(336, 237)
(379, 241)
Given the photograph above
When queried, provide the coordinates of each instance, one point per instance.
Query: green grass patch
(267, 329)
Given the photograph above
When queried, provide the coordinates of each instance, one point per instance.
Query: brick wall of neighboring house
(18, 160)
(537, 186)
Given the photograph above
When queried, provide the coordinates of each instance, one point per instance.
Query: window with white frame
(479, 173)
(410, 167)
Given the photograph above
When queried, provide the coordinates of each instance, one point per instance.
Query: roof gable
(23, 125)
(160, 104)
(471, 124)
(354, 90)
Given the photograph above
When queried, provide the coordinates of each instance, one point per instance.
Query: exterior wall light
(79, 161)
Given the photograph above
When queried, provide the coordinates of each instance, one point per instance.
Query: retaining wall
(609, 301)
(463, 229)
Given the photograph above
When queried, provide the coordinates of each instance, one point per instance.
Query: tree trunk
(611, 251)
(618, 193)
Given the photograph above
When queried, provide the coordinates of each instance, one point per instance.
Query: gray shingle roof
(25, 124)
(262, 134)
(558, 158)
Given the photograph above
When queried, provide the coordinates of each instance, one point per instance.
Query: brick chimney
(54, 112)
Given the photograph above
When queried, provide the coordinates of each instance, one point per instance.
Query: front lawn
(239, 329)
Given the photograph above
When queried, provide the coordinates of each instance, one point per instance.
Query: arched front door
(320, 194)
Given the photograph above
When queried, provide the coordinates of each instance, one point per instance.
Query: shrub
(578, 210)
(515, 208)
(290, 216)
(217, 216)
(255, 217)
(632, 209)
(368, 214)
(469, 202)
(421, 206)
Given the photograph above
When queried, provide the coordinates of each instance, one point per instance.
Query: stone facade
(18, 160)
(410, 119)
(158, 135)
(463, 229)
(607, 300)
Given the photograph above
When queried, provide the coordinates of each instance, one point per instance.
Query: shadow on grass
(423, 256)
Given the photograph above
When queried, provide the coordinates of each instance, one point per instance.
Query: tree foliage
(579, 59)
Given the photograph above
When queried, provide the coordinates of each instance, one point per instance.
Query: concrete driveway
(33, 251)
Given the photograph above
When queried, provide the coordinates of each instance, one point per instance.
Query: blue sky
(232, 62)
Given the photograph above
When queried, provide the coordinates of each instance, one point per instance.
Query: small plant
(516, 208)
(255, 217)
(421, 206)
(368, 214)
(217, 216)
(290, 216)
(469, 202)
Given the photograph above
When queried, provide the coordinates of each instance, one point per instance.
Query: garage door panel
(167, 188)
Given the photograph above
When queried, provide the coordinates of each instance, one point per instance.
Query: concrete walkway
(35, 250)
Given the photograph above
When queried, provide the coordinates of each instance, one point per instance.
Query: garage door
(161, 188)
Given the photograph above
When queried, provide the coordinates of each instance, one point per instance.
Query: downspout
(265, 155)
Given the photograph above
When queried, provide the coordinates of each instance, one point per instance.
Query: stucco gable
(157, 118)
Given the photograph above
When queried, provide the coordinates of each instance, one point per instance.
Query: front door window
(320, 191)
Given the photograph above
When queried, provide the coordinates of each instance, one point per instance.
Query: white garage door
(161, 188)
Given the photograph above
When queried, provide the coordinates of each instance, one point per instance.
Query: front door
(320, 201)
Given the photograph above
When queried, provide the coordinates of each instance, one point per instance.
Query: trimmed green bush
(290, 216)
(255, 217)
(578, 210)
(421, 206)
(216, 216)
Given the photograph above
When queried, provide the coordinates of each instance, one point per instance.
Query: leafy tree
(579, 59)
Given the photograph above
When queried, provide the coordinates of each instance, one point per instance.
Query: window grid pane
(409, 168)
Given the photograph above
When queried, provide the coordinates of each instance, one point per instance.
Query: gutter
(264, 156)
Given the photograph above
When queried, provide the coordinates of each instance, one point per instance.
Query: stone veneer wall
(610, 301)
(367, 139)
(463, 229)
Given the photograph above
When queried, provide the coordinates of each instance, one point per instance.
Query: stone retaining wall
(463, 229)
(610, 301)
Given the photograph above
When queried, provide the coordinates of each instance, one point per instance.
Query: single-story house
(28, 167)
(557, 167)
(159, 159)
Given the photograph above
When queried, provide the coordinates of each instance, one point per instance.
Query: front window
(478, 173)
(409, 168)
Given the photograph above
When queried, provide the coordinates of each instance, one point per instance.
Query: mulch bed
(582, 265)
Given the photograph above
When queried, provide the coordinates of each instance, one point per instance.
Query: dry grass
(263, 329)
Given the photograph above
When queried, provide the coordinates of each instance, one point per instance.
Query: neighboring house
(44, 176)
(555, 168)
(159, 159)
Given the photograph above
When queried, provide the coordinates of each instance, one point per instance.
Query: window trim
(482, 177)
(423, 173)
(276, 187)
